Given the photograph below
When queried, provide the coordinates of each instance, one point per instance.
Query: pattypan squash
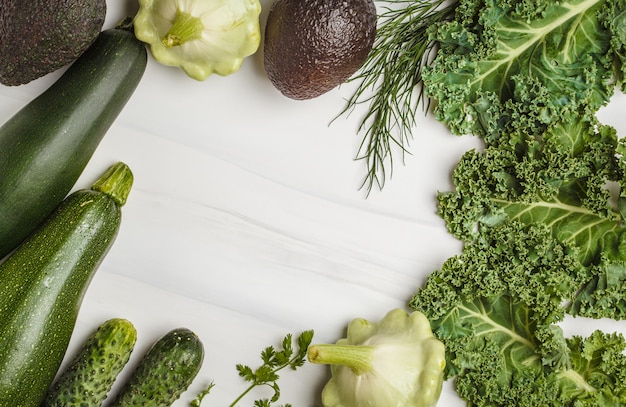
(396, 362)
(200, 36)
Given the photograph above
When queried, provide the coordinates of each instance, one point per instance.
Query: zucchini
(166, 371)
(43, 283)
(45, 146)
(91, 374)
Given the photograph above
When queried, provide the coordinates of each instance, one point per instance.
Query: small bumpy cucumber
(165, 372)
(91, 374)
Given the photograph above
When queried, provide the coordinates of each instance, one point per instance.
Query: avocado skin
(40, 36)
(313, 46)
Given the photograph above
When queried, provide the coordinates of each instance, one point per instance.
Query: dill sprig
(274, 360)
(391, 79)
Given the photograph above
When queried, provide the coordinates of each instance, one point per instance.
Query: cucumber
(43, 283)
(45, 146)
(165, 372)
(91, 374)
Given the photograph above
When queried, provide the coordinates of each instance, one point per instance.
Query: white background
(246, 221)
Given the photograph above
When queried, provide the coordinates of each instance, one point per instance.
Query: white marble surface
(246, 221)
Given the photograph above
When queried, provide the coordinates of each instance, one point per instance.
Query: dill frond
(390, 81)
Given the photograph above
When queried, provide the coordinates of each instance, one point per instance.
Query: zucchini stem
(116, 182)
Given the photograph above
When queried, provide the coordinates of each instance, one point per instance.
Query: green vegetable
(497, 306)
(267, 374)
(89, 377)
(395, 362)
(557, 179)
(44, 281)
(45, 146)
(200, 37)
(165, 372)
(520, 66)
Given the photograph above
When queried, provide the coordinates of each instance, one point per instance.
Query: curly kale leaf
(604, 293)
(595, 378)
(521, 65)
(615, 21)
(598, 370)
(496, 307)
(558, 179)
(512, 257)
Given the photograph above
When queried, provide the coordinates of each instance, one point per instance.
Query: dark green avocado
(40, 36)
(312, 46)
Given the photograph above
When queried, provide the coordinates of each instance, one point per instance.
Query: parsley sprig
(274, 360)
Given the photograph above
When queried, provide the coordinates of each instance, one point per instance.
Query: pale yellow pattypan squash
(200, 36)
(396, 362)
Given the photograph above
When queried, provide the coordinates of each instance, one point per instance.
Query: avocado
(313, 46)
(40, 36)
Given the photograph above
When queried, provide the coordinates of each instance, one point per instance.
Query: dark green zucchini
(92, 372)
(165, 372)
(43, 283)
(46, 145)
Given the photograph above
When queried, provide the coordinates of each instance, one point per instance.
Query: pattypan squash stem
(357, 357)
(185, 28)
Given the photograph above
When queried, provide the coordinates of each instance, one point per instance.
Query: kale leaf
(497, 305)
(522, 65)
(559, 180)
